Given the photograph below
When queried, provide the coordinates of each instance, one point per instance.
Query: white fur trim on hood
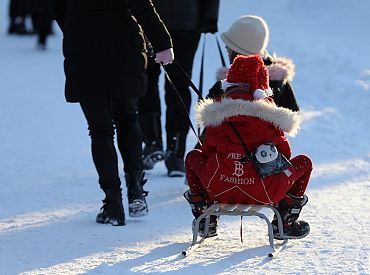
(213, 113)
(282, 69)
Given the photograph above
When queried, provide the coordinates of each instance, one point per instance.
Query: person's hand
(208, 25)
(165, 57)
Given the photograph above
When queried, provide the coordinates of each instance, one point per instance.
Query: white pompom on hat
(249, 34)
(259, 94)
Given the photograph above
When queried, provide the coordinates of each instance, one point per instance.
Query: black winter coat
(104, 46)
(187, 14)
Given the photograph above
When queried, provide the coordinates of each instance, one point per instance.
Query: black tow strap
(179, 97)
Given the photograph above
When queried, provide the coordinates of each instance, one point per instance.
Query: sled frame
(219, 209)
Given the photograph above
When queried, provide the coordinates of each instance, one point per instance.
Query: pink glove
(165, 57)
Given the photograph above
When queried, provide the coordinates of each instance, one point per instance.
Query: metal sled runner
(219, 209)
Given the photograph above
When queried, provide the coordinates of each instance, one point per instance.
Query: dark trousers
(105, 115)
(185, 45)
(41, 18)
(42, 23)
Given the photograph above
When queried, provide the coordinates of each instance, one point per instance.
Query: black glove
(208, 25)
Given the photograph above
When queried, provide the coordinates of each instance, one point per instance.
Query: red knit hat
(251, 70)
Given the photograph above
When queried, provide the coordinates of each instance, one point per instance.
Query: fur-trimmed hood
(212, 113)
(281, 69)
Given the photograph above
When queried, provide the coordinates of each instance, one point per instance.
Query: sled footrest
(219, 209)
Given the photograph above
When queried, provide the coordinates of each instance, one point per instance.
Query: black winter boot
(174, 159)
(137, 206)
(198, 203)
(152, 153)
(152, 135)
(112, 210)
(289, 209)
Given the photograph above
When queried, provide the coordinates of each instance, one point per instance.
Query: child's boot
(199, 203)
(289, 208)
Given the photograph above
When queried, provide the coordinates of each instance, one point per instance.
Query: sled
(219, 209)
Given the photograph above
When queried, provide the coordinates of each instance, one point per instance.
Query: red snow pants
(301, 172)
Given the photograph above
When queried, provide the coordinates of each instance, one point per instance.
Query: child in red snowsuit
(215, 172)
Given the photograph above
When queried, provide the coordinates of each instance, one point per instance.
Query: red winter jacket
(224, 177)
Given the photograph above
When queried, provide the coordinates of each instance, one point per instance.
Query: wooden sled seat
(219, 209)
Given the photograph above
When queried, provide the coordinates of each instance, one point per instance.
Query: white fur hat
(249, 34)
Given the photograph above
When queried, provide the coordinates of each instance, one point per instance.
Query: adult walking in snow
(246, 118)
(105, 62)
(185, 20)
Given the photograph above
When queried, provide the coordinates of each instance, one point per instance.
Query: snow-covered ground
(49, 195)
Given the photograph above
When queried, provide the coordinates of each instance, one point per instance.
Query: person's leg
(291, 205)
(177, 125)
(149, 105)
(150, 118)
(99, 118)
(12, 16)
(101, 130)
(303, 167)
(126, 119)
(197, 196)
(185, 46)
(17, 13)
(42, 25)
(195, 160)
